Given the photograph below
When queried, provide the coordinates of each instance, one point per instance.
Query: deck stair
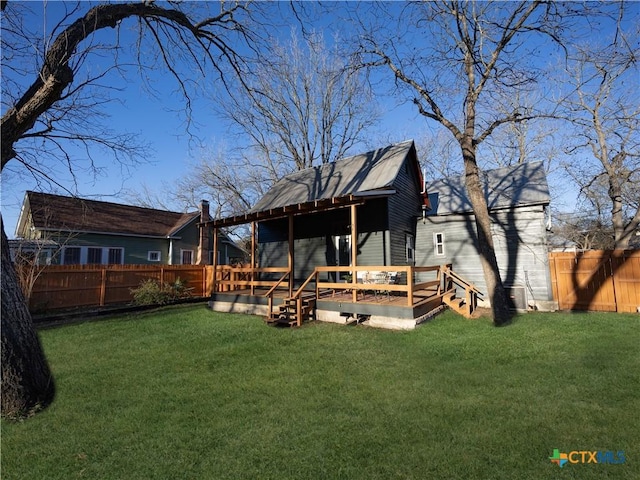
(293, 311)
(464, 306)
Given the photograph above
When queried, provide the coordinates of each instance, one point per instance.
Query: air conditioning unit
(517, 297)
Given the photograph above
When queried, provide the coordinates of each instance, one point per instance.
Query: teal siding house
(96, 232)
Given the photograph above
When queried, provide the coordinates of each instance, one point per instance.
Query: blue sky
(160, 124)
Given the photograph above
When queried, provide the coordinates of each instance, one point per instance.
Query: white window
(154, 255)
(410, 242)
(186, 257)
(438, 244)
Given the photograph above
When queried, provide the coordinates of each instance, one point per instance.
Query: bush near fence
(73, 286)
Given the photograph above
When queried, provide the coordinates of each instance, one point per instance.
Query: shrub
(152, 292)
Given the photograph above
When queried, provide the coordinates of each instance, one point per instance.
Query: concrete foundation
(546, 305)
(390, 323)
(332, 316)
(232, 307)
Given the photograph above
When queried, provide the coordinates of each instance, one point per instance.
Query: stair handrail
(446, 270)
(272, 289)
(305, 283)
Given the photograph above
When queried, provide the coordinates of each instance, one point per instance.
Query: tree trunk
(26, 382)
(495, 288)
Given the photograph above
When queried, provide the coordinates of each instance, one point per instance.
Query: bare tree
(459, 63)
(605, 110)
(583, 231)
(302, 105)
(56, 108)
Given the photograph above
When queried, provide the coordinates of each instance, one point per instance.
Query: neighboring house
(36, 252)
(95, 232)
(518, 199)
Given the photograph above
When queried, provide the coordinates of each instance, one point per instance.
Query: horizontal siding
(313, 238)
(404, 208)
(519, 240)
(135, 248)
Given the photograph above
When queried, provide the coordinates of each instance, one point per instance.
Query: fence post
(103, 286)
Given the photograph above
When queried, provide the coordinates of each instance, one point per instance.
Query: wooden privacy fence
(69, 286)
(603, 280)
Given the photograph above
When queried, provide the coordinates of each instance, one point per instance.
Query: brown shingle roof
(56, 212)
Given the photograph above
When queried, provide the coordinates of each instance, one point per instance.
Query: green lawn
(188, 393)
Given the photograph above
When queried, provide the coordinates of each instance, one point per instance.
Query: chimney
(203, 245)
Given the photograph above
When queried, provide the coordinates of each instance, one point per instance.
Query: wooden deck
(341, 301)
(402, 294)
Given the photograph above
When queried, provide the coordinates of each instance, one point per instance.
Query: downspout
(170, 262)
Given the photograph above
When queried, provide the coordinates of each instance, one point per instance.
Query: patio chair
(379, 279)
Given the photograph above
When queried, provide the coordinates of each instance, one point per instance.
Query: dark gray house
(518, 200)
(385, 185)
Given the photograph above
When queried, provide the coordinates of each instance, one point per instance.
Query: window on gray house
(154, 255)
(410, 242)
(438, 244)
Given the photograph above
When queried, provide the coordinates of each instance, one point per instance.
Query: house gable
(360, 174)
(520, 185)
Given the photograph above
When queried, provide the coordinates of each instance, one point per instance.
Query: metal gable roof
(374, 170)
(518, 185)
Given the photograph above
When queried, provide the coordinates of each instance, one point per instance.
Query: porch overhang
(312, 206)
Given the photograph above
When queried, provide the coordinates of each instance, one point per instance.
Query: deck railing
(404, 283)
(407, 280)
(230, 278)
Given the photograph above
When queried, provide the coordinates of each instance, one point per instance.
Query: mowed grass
(189, 393)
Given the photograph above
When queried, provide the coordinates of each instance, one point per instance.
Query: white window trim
(437, 244)
(182, 256)
(156, 253)
(84, 254)
(64, 253)
(105, 254)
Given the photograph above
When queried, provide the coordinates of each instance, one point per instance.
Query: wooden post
(215, 259)
(253, 256)
(291, 256)
(410, 286)
(354, 251)
(103, 287)
(204, 280)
